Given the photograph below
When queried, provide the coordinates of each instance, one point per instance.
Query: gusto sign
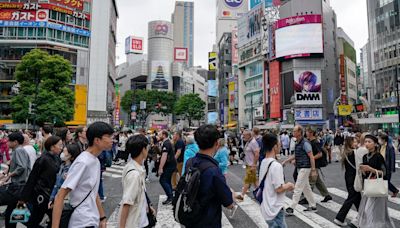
(233, 3)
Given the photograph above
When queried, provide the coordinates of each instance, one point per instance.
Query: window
(53, 15)
(59, 34)
(21, 32)
(41, 32)
(31, 32)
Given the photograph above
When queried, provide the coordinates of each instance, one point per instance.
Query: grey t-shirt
(20, 165)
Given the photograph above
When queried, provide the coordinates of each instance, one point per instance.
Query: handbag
(258, 192)
(375, 187)
(69, 209)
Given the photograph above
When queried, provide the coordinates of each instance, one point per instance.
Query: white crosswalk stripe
(252, 209)
(115, 171)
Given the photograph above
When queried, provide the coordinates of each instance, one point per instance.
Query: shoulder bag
(258, 192)
(375, 187)
(69, 209)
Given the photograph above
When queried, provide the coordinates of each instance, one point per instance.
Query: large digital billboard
(160, 74)
(299, 36)
(249, 26)
(307, 87)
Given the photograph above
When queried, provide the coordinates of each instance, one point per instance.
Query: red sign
(181, 54)
(75, 4)
(16, 15)
(343, 86)
(297, 20)
(275, 89)
(137, 44)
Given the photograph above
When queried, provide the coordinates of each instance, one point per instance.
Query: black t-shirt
(316, 148)
(167, 148)
(180, 145)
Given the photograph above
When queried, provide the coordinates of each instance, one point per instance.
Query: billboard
(231, 9)
(267, 3)
(212, 61)
(160, 74)
(235, 51)
(181, 54)
(134, 45)
(212, 88)
(212, 117)
(80, 106)
(308, 114)
(40, 24)
(345, 110)
(23, 15)
(161, 29)
(299, 36)
(249, 26)
(275, 89)
(74, 4)
(221, 112)
(307, 87)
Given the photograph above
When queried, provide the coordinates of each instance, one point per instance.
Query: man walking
(167, 166)
(252, 152)
(179, 148)
(285, 141)
(306, 165)
(82, 182)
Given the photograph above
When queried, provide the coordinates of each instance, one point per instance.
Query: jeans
(278, 221)
(353, 198)
(303, 186)
(101, 189)
(165, 181)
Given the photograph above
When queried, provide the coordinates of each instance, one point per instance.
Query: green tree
(190, 107)
(157, 102)
(44, 80)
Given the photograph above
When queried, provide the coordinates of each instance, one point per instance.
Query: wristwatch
(102, 218)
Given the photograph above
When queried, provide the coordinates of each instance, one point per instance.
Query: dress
(373, 211)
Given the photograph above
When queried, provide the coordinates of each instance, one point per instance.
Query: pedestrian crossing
(251, 208)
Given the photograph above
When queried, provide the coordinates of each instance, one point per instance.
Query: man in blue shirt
(213, 190)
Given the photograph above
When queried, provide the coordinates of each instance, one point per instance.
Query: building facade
(228, 12)
(183, 20)
(58, 27)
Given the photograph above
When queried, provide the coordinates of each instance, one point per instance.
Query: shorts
(251, 177)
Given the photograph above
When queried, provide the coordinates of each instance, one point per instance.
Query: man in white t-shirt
(30, 150)
(83, 182)
(274, 186)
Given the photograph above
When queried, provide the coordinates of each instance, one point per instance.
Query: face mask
(63, 157)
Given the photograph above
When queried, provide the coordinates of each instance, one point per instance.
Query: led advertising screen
(160, 74)
(275, 89)
(299, 36)
(212, 88)
(307, 87)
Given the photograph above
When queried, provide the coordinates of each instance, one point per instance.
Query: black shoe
(310, 209)
(289, 211)
(167, 202)
(326, 199)
(303, 201)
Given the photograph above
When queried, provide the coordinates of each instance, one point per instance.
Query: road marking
(252, 209)
(225, 222)
(335, 207)
(113, 221)
(311, 218)
(112, 175)
(120, 171)
(392, 213)
(165, 217)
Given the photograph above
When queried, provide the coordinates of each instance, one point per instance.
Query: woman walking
(222, 156)
(191, 150)
(373, 211)
(348, 163)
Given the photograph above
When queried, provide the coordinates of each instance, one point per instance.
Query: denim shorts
(278, 221)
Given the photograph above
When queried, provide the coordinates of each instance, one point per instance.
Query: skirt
(373, 212)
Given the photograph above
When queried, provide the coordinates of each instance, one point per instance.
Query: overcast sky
(134, 16)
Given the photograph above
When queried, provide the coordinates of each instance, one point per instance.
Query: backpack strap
(265, 176)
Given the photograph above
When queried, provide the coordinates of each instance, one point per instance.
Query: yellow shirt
(383, 151)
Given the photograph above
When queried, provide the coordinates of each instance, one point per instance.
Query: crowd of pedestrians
(58, 173)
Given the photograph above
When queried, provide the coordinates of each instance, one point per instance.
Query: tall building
(228, 12)
(347, 57)
(365, 71)
(183, 20)
(102, 74)
(58, 27)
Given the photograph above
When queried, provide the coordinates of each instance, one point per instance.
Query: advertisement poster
(76, 4)
(235, 51)
(160, 74)
(180, 54)
(307, 87)
(27, 15)
(134, 45)
(275, 89)
(249, 26)
(212, 88)
(231, 9)
(345, 110)
(212, 61)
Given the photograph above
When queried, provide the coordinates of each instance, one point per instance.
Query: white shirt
(272, 202)
(84, 176)
(31, 153)
(133, 187)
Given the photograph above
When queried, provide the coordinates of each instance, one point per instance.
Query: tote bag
(375, 187)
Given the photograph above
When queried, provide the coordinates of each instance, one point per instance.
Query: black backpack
(186, 205)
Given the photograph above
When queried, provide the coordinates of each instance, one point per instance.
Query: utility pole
(398, 97)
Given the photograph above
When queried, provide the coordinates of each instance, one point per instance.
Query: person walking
(388, 153)
(134, 205)
(373, 211)
(222, 156)
(41, 182)
(167, 166)
(285, 141)
(46, 132)
(80, 138)
(252, 152)
(305, 164)
(338, 141)
(121, 147)
(18, 173)
(4, 149)
(191, 150)
(349, 164)
(272, 206)
(30, 150)
(82, 182)
(179, 147)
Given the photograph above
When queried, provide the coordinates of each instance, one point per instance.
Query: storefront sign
(235, 52)
(345, 110)
(75, 4)
(308, 114)
(249, 53)
(212, 61)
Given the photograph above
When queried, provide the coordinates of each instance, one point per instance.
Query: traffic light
(32, 108)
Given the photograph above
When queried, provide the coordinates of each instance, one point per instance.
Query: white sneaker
(233, 211)
(103, 200)
(339, 223)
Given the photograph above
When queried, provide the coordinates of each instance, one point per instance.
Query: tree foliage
(54, 99)
(190, 107)
(157, 102)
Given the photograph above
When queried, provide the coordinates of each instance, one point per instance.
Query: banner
(160, 74)
(307, 87)
(75, 4)
(275, 89)
(180, 54)
(212, 88)
(345, 110)
(212, 61)
(308, 114)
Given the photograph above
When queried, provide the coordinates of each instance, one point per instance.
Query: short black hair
(206, 136)
(269, 141)
(135, 145)
(62, 133)
(165, 133)
(74, 150)
(98, 130)
(51, 141)
(384, 137)
(47, 129)
(16, 136)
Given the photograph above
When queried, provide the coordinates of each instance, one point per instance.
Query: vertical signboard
(235, 52)
(134, 45)
(212, 61)
(275, 89)
(232, 101)
(249, 26)
(117, 106)
(266, 89)
(307, 87)
(343, 96)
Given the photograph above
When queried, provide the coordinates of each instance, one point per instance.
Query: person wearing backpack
(203, 189)
(272, 205)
